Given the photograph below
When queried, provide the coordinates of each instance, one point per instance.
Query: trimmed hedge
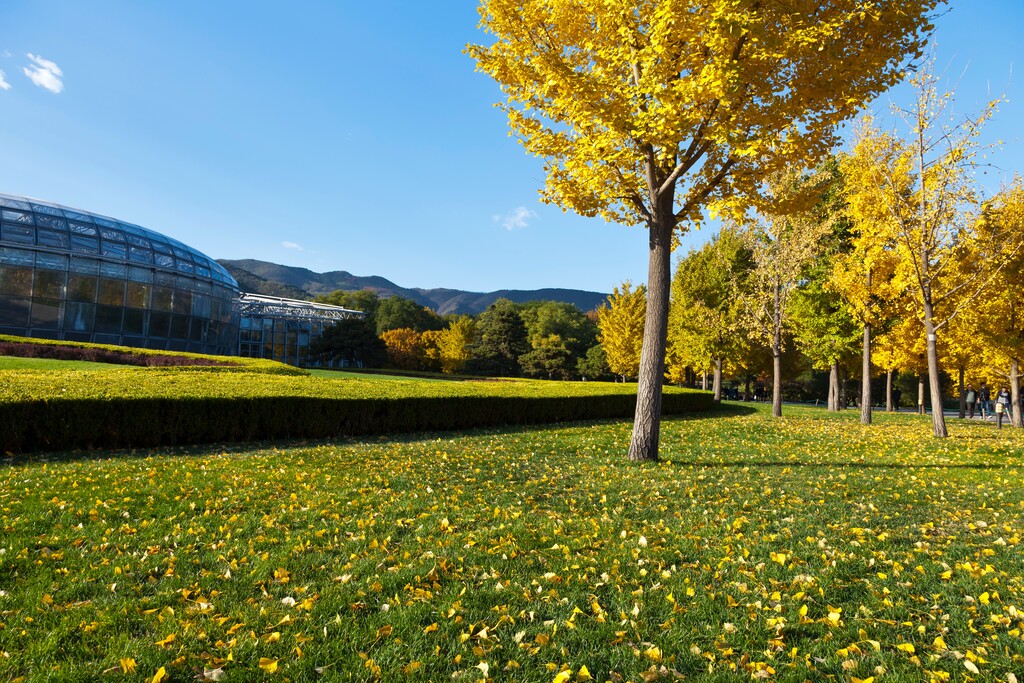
(125, 422)
(25, 347)
(128, 407)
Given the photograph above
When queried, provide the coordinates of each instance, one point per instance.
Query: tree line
(541, 339)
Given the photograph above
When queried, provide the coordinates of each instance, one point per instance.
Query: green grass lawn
(13, 363)
(809, 548)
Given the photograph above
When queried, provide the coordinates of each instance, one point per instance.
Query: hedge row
(24, 347)
(122, 422)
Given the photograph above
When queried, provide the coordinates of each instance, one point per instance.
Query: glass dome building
(78, 276)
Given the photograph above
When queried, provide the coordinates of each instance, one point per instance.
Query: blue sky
(342, 135)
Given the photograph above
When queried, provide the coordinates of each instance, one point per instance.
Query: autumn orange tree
(650, 112)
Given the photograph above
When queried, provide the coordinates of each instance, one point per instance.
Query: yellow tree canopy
(625, 99)
(621, 325)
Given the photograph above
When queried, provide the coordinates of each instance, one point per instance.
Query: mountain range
(273, 279)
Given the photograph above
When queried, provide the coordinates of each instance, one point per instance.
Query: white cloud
(291, 245)
(44, 73)
(517, 219)
(4, 85)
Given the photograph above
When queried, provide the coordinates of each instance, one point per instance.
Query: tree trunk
(746, 389)
(718, 380)
(1016, 420)
(920, 394)
(842, 388)
(647, 423)
(704, 380)
(938, 416)
(833, 387)
(865, 382)
(888, 391)
(777, 352)
(963, 396)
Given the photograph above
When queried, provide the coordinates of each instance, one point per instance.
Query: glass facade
(73, 275)
(284, 329)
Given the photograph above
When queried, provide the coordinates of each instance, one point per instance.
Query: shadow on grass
(766, 464)
(240, 447)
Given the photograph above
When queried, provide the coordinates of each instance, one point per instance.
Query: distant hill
(260, 277)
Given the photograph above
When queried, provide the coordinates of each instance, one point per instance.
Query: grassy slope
(810, 547)
(13, 363)
(21, 385)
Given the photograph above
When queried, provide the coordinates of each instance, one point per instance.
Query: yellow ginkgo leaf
(562, 677)
(653, 653)
(268, 665)
(584, 674)
(906, 647)
(166, 641)
(159, 676)
(127, 665)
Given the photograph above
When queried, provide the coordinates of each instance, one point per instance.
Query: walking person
(971, 398)
(984, 396)
(1002, 405)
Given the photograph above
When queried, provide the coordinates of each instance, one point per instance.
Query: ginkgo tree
(654, 112)
(923, 182)
(785, 239)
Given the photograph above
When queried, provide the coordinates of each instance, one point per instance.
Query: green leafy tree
(572, 326)
(501, 339)
(549, 358)
(594, 365)
(705, 312)
(824, 328)
(397, 312)
(353, 340)
(365, 300)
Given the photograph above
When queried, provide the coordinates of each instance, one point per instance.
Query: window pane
(134, 321)
(82, 288)
(16, 232)
(140, 274)
(82, 229)
(14, 311)
(164, 261)
(116, 271)
(81, 244)
(111, 292)
(52, 238)
(179, 327)
(113, 235)
(115, 250)
(140, 255)
(17, 216)
(52, 261)
(17, 257)
(162, 299)
(50, 283)
(159, 324)
(15, 280)
(182, 302)
(48, 210)
(79, 317)
(51, 222)
(108, 318)
(138, 295)
(47, 313)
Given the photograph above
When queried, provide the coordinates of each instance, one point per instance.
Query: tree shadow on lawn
(766, 464)
(241, 447)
